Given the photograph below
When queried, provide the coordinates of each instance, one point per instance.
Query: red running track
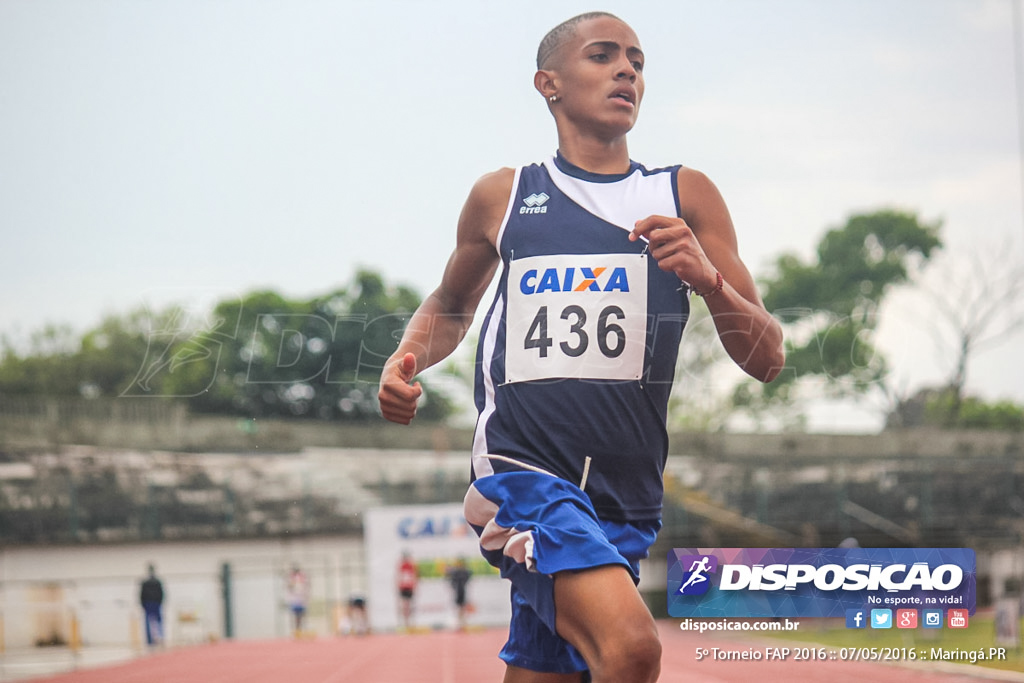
(443, 657)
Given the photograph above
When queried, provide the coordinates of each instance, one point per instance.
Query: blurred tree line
(259, 355)
(829, 306)
(266, 355)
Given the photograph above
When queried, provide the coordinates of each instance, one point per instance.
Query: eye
(639, 66)
(599, 57)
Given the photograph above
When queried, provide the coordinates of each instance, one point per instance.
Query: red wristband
(719, 284)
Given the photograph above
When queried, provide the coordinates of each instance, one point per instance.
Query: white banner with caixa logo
(435, 537)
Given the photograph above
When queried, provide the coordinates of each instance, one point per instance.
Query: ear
(545, 83)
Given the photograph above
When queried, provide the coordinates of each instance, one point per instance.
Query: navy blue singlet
(578, 350)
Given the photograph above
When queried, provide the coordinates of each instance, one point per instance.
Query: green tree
(264, 354)
(110, 355)
(99, 363)
(975, 413)
(259, 355)
(947, 407)
(829, 304)
(46, 367)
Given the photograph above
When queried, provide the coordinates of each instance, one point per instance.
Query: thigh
(600, 609)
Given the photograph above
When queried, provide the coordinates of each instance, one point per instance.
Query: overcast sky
(187, 151)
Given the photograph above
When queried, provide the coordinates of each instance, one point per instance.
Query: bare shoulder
(485, 207)
(491, 191)
(496, 182)
(700, 202)
(692, 179)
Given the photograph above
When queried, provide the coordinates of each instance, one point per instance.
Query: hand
(397, 396)
(676, 249)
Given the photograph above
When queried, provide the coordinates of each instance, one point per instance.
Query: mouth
(626, 95)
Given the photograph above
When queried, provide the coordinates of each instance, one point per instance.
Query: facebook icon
(856, 618)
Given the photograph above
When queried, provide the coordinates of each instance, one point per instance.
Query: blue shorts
(532, 526)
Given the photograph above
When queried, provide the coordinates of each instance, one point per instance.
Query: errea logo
(535, 203)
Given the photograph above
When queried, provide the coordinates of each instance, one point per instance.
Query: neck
(596, 156)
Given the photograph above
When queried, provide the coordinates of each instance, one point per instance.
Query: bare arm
(698, 246)
(441, 321)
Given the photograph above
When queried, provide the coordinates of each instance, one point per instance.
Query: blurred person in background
(298, 597)
(458, 576)
(151, 596)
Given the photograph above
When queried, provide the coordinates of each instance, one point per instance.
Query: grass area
(980, 633)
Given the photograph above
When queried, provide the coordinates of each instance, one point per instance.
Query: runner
(577, 355)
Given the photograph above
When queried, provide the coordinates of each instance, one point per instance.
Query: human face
(599, 80)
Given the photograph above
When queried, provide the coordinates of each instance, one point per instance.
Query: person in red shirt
(408, 576)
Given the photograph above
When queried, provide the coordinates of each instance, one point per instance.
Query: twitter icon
(881, 618)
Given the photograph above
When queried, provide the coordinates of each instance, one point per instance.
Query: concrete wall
(161, 424)
(43, 590)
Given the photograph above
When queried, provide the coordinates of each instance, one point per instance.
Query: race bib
(576, 316)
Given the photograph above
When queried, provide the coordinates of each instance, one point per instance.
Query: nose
(626, 70)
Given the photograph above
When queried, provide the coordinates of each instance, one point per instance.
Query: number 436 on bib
(576, 316)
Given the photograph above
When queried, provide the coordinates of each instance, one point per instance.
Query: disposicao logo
(696, 580)
(808, 582)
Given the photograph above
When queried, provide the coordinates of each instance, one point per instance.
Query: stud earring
(553, 98)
